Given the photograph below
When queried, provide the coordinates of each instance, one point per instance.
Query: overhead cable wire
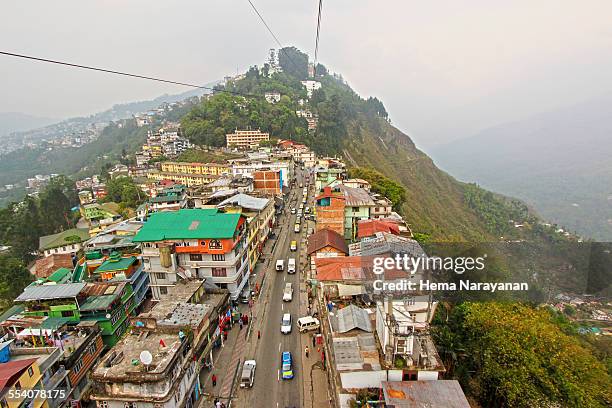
(111, 71)
(316, 53)
(281, 47)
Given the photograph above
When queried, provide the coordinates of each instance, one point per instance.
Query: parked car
(286, 365)
(280, 265)
(248, 374)
(307, 323)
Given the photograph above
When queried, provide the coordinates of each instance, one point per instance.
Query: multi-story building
(260, 220)
(383, 207)
(101, 289)
(195, 243)
(357, 203)
(159, 362)
(330, 206)
(246, 138)
(272, 97)
(62, 356)
(329, 174)
(248, 168)
(268, 182)
(65, 242)
(189, 180)
(311, 86)
(214, 169)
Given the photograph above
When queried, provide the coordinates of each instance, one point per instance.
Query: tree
(124, 191)
(14, 276)
(516, 356)
(293, 62)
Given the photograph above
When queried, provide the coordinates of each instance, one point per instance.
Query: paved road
(269, 390)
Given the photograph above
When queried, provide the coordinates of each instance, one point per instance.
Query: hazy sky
(444, 69)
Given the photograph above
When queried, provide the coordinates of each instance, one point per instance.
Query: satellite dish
(146, 357)
(108, 315)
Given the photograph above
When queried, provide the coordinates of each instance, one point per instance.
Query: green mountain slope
(435, 202)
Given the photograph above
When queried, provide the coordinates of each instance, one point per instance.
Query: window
(215, 244)
(355, 209)
(67, 313)
(102, 404)
(77, 366)
(130, 405)
(30, 371)
(160, 276)
(3, 403)
(218, 257)
(17, 385)
(163, 290)
(92, 348)
(195, 257)
(219, 272)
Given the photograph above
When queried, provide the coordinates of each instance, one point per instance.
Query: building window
(163, 290)
(77, 366)
(67, 313)
(130, 405)
(219, 272)
(92, 349)
(195, 257)
(160, 276)
(17, 385)
(218, 257)
(215, 244)
(30, 371)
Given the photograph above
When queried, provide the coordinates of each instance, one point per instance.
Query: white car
(291, 265)
(288, 292)
(286, 323)
(293, 211)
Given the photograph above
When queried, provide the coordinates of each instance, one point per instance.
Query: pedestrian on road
(258, 334)
(306, 350)
(214, 380)
(240, 323)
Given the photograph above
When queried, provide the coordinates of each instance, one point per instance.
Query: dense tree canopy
(513, 355)
(123, 191)
(381, 184)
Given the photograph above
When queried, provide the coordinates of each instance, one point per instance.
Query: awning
(350, 290)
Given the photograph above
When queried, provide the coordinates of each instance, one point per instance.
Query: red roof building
(369, 228)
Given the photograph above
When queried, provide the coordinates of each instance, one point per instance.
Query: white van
(296, 228)
(307, 323)
(280, 265)
(291, 265)
(248, 374)
(288, 292)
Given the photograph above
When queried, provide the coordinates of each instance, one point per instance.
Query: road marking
(282, 306)
(279, 346)
(277, 379)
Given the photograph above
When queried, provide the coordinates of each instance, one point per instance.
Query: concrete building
(311, 86)
(268, 182)
(260, 220)
(246, 138)
(330, 206)
(357, 204)
(158, 363)
(248, 168)
(195, 243)
(65, 242)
